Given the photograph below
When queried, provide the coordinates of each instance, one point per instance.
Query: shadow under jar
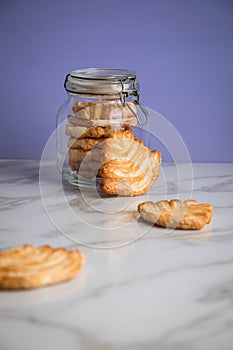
(102, 104)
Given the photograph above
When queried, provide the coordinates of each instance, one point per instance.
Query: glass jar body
(83, 123)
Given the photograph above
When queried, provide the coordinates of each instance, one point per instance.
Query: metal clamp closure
(123, 94)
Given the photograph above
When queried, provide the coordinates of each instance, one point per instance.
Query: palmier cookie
(86, 144)
(74, 120)
(187, 215)
(84, 132)
(103, 110)
(26, 266)
(90, 165)
(78, 154)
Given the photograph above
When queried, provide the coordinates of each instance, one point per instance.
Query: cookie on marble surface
(187, 215)
(27, 266)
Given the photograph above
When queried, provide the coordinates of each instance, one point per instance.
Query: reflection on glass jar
(96, 128)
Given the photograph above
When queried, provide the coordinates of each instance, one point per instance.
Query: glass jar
(101, 103)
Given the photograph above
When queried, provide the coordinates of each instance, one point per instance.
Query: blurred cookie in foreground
(27, 267)
(187, 215)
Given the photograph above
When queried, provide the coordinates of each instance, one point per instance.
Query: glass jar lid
(99, 81)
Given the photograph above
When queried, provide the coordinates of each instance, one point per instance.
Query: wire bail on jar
(95, 81)
(123, 94)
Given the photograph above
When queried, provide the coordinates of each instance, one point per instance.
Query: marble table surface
(148, 289)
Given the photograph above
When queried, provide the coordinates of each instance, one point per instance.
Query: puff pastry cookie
(82, 132)
(86, 144)
(109, 149)
(129, 168)
(109, 110)
(27, 266)
(187, 215)
(74, 120)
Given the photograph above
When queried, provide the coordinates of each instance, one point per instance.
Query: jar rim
(102, 81)
(103, 73)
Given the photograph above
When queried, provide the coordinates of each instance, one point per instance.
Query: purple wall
(182, 51)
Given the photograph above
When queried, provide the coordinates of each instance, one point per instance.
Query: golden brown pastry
(76, 131)
(27, 266)
(122, 169)
(81, 132)
(129, 121)
(109, 150)
(86, 169)
(103, 113)
(78, 154)
(187, 215)
(88, 165)
(86, 144)
(129, 168)
(98, 153)
(107, 110)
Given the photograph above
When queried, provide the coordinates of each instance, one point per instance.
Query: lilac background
(182, 51)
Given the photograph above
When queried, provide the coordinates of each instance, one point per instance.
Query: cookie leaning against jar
(127, 167)
(87, 151)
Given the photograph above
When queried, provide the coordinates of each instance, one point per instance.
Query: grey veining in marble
(164, 291)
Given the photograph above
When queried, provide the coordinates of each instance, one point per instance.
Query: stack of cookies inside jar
(101, 142)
